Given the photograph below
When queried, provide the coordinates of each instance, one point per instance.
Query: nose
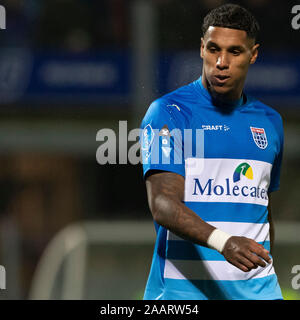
(222, 61)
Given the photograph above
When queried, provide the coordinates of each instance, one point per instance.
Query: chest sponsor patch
(228, 180)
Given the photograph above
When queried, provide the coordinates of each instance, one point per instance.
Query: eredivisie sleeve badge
(259, 137)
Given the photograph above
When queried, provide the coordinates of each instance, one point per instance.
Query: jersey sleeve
(276, 169)
(161, 139)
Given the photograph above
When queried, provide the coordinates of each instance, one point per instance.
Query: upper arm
(164, 189)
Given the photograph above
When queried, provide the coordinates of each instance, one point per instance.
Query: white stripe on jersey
(211, 270)
(256, 231)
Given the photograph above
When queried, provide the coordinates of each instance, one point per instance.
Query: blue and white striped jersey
(229, 166)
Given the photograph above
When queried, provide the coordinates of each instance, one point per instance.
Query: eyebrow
(236, 47)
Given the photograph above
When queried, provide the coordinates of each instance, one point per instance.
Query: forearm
(165, 193)
(182, 221)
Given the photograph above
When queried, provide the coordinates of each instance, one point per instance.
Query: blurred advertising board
(64, 77)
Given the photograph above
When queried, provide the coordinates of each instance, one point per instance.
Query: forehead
(226, 37)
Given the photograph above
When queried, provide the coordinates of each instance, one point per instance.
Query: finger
(255, 259)
(240, 266)
(263, 253)
(247, 263)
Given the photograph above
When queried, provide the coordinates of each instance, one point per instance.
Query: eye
(235, 52)
(212, 49)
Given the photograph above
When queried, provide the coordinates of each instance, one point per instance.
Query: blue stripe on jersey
(230, 212)
(186, 250)
(265, 288)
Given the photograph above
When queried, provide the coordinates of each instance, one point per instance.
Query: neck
(228, 99)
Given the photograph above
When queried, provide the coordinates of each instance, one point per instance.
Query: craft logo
(259, 137)
(2, 17)
(244, 169)
(296, 19)
(219, 127)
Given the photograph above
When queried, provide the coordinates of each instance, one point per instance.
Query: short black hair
(232, 16)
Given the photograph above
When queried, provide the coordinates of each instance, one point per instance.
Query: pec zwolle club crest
(259, 137)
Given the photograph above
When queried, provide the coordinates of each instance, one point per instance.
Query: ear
(201, 48)
(254, 52)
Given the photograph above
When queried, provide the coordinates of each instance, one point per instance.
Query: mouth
(221, 79)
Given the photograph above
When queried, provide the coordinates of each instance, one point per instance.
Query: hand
(245, 253)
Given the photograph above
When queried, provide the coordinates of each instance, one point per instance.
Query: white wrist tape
(217, 240)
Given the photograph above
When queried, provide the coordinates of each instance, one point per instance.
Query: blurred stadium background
(69, 227)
